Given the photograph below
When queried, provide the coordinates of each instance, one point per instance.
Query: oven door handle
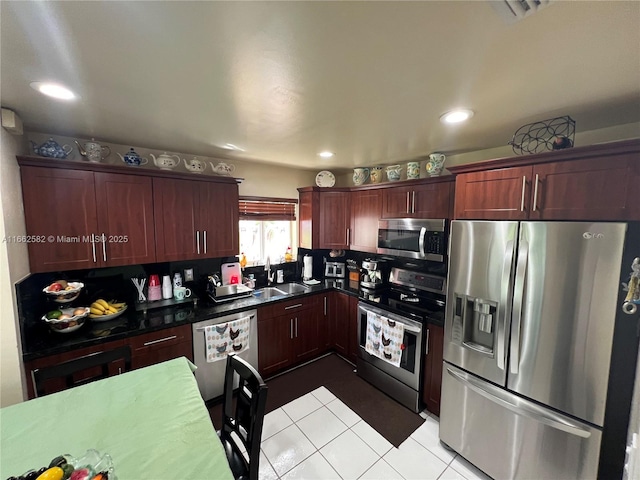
(411, 329)
(423, 233)
(406, 326)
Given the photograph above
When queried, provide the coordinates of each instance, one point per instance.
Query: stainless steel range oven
(392, 333)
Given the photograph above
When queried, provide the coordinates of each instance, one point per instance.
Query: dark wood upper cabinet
(495, 194)
(324, 218)
(366, 210)
(218, 219)
(420, 199)
(176, 204)
(594, 183)
(60, 216)
(125, 218)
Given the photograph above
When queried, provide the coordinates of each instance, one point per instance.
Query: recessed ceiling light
(231, 146)
(54, 90)
(326, 154)
(456, 116)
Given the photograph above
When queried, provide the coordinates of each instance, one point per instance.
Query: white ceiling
(285, 80)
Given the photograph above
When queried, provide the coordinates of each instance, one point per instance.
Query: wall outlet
(188, 274)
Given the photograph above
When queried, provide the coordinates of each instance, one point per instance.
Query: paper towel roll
(307, 271)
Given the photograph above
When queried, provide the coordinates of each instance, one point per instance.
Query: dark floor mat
(393, 421)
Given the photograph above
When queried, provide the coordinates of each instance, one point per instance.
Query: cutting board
(230, 270)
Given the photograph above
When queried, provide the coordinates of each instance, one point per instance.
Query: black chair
(246, 421)
(67, 370)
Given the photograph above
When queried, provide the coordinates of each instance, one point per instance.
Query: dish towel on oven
(384, 338)
(224, 338)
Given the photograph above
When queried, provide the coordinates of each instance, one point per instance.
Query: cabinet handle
(104, 247)
(198, 241)
(291, 328)
(325, 306)
(205, 241)
(119, 370)
(535, 194)
(407, 202)
(348, 236)
(413, 202)
(296, 327)
(524, 187)
(293, 306)
(165, 339)
(426, 344)
(93, 248)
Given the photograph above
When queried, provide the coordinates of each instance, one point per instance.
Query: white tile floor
(317, 436)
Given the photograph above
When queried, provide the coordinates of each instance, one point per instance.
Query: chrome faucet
(267, 268)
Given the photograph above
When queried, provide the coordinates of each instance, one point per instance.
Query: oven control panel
(421, 281)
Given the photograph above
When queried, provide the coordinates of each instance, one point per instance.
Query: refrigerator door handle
(504, 299)
(520, 407)
(521, 272)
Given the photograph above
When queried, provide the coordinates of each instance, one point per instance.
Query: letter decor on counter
(384, 338)
(225, 338)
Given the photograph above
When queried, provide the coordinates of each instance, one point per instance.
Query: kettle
(93, 151)
(50, 148)
(195, 165)
(133, 159)
(223, 168)
(164, 161)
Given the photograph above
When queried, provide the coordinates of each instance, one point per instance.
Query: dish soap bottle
(287, 256)
(243, 260)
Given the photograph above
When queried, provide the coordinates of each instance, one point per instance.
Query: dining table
(152, 422)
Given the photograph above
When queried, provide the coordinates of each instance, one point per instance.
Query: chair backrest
(246, 422)
(67, 370)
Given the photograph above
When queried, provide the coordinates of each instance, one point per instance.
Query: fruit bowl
(111, 316)
(101, 310)
(69, 320)
(62, 291)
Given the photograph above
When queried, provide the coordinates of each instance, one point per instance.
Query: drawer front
(287, 307)
(160, 339)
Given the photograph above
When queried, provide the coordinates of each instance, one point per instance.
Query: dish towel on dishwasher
(224, 338)
(384, 338)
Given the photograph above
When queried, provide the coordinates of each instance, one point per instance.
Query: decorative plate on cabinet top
(325, 179)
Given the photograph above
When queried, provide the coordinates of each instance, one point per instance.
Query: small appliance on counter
(219, 293)
(373, 274)
(334, 269)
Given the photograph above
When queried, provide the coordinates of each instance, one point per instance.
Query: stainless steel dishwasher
(210, 376)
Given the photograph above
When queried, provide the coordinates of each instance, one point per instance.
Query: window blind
(264, 208)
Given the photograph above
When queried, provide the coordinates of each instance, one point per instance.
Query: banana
(95, 311)
(117, 305)
(103, 303)
(98, 306)
(112, 309)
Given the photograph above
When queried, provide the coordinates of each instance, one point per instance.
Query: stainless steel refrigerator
(529, 328)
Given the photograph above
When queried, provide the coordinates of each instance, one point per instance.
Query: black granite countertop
(41, 341)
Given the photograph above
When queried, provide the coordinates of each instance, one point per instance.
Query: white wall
(610, 134)
(14, 265)
(260, 180)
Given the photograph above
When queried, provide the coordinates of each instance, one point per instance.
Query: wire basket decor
(552, 134)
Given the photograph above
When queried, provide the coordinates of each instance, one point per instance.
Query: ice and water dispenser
(474, 321)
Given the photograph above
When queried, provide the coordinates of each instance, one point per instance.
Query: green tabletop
(152, 421)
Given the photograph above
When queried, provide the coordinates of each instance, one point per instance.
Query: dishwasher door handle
(201, 329)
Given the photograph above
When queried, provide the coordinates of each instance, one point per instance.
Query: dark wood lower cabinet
(275, 347)
(146, 349)
(340, 324)
(352, 340)
(432, 373)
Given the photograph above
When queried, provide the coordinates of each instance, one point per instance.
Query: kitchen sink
(282, 290)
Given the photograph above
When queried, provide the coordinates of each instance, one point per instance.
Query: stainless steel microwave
(413, 238)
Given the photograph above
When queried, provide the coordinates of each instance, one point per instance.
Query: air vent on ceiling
(513, 11)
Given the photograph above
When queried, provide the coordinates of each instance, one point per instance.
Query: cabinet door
(432, 374)
(340, 322)
(352, 340)
(334, 220)
(160, 346)
(176, 203)
(306, 333)
(219, 217)
(592, 189)
(325, 327)
(366, 210)
(57, 384)
(275, 343)
(502, 194)
(432, 200)
(396, 202)
(125, 218)
(60, 210)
